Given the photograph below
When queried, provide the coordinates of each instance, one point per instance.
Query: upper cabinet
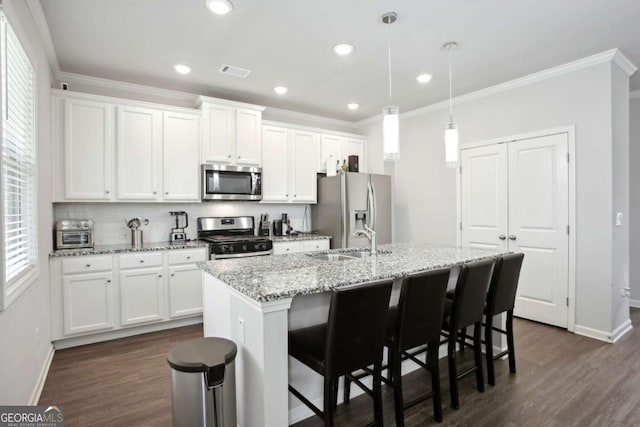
(87, 144)
(336, 149)
(106, 149)
(232, 133)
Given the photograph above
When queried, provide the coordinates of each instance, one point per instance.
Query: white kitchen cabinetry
(336, 148)
(288, 166)
(149, 153)
(231, 132)
(181, 161)
(100, 297)
(87, 294)
(185, 283)
(139, 138)
(141, 295)
(88, 149)
(296, 246)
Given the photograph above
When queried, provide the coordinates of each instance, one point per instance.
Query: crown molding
(635, 94)
(278, 114)
(45, 34)
(613, 55)
(622, 61)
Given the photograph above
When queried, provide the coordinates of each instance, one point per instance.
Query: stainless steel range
(232, 237)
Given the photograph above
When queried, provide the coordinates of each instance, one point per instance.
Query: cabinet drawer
(141, 260)
(287, 247)
(187, 256)
(87, 264)
(315, 245)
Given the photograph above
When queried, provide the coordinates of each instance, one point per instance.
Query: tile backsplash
(110, 218)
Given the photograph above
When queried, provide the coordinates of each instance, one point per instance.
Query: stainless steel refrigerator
(346, 202)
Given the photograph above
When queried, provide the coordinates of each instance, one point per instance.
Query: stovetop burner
(232, 237)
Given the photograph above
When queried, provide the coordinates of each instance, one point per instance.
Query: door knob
(512, 237)
(502, 237)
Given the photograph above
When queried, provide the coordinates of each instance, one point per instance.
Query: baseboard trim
(634, 302)
(621, 330)
(42, 377)
(597, 334)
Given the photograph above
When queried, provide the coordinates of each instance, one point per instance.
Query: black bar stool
(501, 298)
(352, 339)
(416, 322)
(466, 309)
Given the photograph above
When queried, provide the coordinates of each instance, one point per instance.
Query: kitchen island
(255, 301)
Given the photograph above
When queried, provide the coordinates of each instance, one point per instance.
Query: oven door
(223, 182)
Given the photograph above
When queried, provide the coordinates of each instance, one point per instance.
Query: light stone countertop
(124, 248)
(270, 278)
(276, 239)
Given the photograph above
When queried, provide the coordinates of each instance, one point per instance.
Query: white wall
(22, 352)
(620, 167)
(109, 218)
(634, 216)
(425, 190)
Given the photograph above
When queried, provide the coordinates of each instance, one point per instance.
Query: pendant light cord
(450, 91)
(389, 57)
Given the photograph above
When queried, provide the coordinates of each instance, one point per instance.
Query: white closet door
(538, 219)
(484, 197)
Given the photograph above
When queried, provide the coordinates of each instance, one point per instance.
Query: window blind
(18, 158)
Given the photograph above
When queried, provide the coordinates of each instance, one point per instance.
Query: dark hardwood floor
(562, 380)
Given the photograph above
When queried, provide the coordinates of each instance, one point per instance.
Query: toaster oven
(74, 234)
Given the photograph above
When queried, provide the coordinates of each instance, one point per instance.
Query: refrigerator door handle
(371, 200)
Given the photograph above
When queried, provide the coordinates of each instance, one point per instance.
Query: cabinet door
(275, 170)
(303, 172)
(138, 147)
(88, 150)
(181, 165)
(185, 290)
(248, 137)
(141, 296)
(287, 247)
(331, 150)
(87, 301)
(218, 134)
(354, 147)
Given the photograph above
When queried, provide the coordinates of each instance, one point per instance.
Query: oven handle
(242, 255)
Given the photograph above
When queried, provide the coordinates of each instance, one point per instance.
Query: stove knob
(230, 248)
(223, 248)
(244, 248)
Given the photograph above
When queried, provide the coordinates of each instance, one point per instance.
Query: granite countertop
(126, 247)
(277, 277)
(300, 237)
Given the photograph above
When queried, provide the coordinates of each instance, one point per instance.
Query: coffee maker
(178, 233)
(282, 227)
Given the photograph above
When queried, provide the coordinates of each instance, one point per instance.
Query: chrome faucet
(370, 234)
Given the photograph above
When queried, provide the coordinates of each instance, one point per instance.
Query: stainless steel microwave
(225, 182)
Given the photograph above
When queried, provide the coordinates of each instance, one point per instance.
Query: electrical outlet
(618, 219)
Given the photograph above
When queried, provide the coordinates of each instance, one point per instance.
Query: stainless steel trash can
(203, 389)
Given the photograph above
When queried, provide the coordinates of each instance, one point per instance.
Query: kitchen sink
(343, 256)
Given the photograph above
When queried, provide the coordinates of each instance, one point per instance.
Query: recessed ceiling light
(182, 68)
(219, 7)
(343, 49)
(280, 90)
(353, 106)
(424, 78)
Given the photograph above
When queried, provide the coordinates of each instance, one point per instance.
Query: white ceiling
(289, 42)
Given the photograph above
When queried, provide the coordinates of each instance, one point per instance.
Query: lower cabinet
(296, 246)
(101, 293)
(141, 296)
(88, 302)
(185, 290)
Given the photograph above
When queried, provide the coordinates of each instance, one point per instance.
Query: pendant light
(451, 132)
(390, 114)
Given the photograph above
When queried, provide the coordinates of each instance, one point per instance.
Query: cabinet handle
(159, 275)
(295, 195)
(88, 265)
(188, 257)
(106, 191)
(229, 156)
(108, 280)
(166, 192)
(286, 195)
(502, 237)
(172, 275)
(155, 192)
(512, 237)
(239, 157)
(287, 249)
(141, 261)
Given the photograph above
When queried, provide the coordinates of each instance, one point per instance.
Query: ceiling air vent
(234, 71)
